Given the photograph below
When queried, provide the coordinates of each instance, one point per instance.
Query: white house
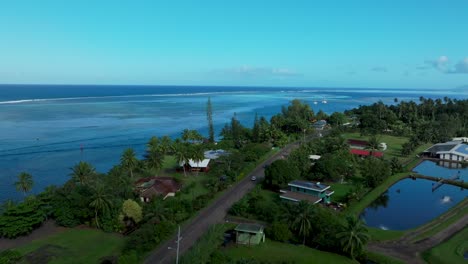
(452, 151)
(462, 139)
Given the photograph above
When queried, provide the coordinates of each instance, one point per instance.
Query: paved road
(210, 215)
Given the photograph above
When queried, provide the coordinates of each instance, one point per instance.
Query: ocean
(46, 129)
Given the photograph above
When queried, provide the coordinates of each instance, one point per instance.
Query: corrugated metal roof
(249, 228)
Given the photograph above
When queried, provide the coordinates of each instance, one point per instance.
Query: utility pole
(178, 242)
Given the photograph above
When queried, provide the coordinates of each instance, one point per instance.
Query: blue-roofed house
(313, 192)
(452, 151)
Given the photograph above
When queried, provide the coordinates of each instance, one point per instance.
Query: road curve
(214, 213)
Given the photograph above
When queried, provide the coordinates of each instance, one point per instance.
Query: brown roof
(299, 196)
(153, 186)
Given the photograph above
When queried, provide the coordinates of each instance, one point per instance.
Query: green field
(340, 189)
(277, 252)
(394, 143)
(450, 251)
(72, 246)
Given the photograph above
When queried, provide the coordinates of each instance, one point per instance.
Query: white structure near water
(452, 151)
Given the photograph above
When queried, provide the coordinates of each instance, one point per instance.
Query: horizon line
(225, 86)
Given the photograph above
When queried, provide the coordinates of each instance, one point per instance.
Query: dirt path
(409, 252)
(47, 229)
(210, 215)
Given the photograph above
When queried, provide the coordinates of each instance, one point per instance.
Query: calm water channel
(411, 203)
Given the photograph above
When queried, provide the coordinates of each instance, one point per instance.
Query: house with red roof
(366, 153)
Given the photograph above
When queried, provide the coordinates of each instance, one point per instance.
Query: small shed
(249, 234)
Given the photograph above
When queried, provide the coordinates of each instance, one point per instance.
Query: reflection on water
(411, 203)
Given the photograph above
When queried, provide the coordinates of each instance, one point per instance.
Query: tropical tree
(129, 160)
(197, 155)
(209, 116)
(153, 143)
(303, 218)
(154, 159)
(353, 236)
(100, 201)
(24, 183)
(82, 172)
(166, 145)
(182, 155)
(131, 212)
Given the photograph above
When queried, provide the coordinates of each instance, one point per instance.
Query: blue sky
(394, 44)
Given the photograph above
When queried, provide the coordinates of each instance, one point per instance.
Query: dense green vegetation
(73, 246)
(276, 252)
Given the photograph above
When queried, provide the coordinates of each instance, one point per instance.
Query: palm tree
(100, 202)
(129, 160)
(24, 183)
(154, 159)
(302, 221)
(82, 172)
(354, 236)
(166, 145)
(182, 156)
(153, 143)
(197, 155)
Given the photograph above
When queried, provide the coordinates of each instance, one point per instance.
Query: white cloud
(461, 67)
(440, 64)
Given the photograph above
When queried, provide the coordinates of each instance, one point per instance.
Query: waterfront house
(150, 187)
(191, 165)
(249, 234)
(313, 192)
(451, 151)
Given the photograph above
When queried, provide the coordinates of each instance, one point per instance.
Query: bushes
(148, 237)
(279, 173)
(279, 231)
(201, 252)
(10, 257)
(22, 219)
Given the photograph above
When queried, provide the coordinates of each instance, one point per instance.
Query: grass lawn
(74, 246)
(450, 251)
(394, 143)
(378, 234)
(382, 259)
(276, 252)
(340, 189)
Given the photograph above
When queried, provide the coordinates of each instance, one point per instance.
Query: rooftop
(297, 197)
(462, 148)
(363, 152)
(249, 228)
(447, 146)
(214, 154)
(153, 186)
(201, 164)
(316, 186)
